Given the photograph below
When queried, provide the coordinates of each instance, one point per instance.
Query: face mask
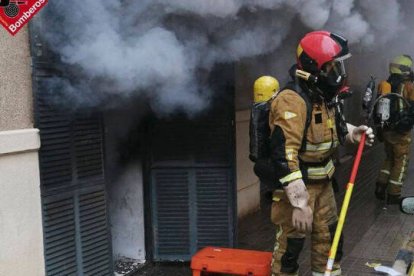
(332, 78)
(329, 91)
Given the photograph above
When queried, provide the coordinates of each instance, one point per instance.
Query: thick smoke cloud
(157, 48)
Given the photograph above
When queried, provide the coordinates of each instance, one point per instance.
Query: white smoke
(216, 8)
(315, 13)
(156, 48)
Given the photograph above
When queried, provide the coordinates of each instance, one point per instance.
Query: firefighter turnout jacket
(396, 137)
(294, 155)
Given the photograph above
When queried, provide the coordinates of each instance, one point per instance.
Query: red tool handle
(358, 158)
(344, 209)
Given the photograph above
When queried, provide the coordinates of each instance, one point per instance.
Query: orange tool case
(231, 261)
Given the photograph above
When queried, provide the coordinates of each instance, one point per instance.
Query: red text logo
(14, 14)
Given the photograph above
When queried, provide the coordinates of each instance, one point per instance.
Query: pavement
(373, 231)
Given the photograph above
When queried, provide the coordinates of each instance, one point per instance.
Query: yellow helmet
(401, 65)
(264, 88)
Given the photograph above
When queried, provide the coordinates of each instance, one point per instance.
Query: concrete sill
(22, 140)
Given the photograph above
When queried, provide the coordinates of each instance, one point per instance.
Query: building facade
(59, 211)
(21, 233)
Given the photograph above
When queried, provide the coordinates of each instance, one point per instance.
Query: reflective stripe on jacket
(287, 121)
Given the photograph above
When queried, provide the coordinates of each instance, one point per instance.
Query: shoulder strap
(395, 81)
(294, 86)
(401, 88)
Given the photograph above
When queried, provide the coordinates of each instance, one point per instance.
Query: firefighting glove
(355, 133)
(302, 216)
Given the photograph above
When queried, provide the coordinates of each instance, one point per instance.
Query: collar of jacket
(315, 94)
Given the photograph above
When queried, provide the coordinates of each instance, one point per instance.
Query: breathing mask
(332, 77)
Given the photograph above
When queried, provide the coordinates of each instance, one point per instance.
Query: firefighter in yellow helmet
(264, 89)
(306, 128)
(395, 127)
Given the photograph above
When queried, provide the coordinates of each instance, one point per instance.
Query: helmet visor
(335, 70)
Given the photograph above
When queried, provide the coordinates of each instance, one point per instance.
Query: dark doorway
(191, 187)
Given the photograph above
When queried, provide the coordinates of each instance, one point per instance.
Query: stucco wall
(16, 110)
(21, 234)
(248, 186)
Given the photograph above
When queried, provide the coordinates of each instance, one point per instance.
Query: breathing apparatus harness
(336, 102)
(390, 110)
(382, 109)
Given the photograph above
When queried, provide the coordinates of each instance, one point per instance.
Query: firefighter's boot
(393, 199)
(380, 190)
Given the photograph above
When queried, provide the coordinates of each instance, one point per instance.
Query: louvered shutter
(55, 152)
(76, 230)
(59, 229)
(95, 243)
(192, 186)
(77, 238)
(76, 233)
(214, 206)
(88, 148)
(171, 213)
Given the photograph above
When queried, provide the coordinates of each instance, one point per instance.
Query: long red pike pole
(344, 209)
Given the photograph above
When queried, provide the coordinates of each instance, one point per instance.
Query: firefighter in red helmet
(306, 128)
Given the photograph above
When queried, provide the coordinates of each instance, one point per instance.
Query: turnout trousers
(394, 169)
(289, 242)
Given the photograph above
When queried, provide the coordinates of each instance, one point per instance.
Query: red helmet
(317, 48)
(322, 54)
